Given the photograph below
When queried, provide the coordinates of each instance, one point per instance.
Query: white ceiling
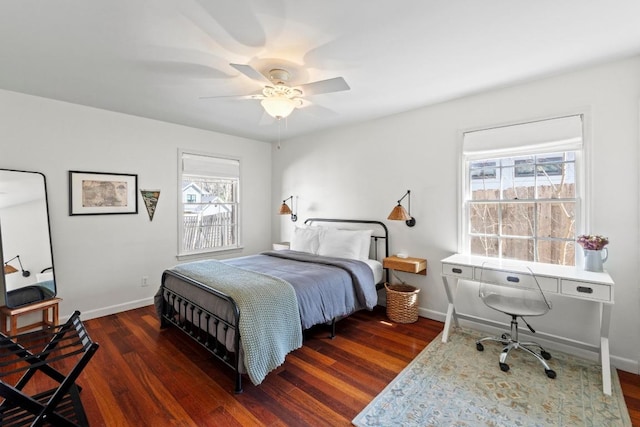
(157, 58)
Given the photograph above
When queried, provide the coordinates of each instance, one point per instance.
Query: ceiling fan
(278, 98)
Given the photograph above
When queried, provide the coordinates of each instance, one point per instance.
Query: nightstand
(402, 299)
(281, 246)
(409, 264)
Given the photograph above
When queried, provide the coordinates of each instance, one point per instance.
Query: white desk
(566, 281)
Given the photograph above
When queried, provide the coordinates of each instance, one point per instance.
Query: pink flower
(592, 242)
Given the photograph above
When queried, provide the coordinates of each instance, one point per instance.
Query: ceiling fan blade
(184, 69)
(336, 84)
(255, 95)
(228, 14)
(221, 96)
(319, 111)
(250, 72)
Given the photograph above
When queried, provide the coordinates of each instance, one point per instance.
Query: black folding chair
(37, 352)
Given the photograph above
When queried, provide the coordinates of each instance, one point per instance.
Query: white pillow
(341, 244)
(365, 243)
(306, 239)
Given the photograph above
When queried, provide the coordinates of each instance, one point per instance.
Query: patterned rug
(453, 384)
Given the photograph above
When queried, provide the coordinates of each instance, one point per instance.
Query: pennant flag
(150, 198)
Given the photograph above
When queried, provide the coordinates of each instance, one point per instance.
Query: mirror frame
(4, 294)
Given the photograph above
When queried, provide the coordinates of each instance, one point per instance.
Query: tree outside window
(523, 207)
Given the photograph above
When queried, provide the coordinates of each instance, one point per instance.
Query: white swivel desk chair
(524, 298)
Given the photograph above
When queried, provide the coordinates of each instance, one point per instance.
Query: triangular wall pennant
(150, 198)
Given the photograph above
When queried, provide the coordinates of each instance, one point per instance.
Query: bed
(249, 312)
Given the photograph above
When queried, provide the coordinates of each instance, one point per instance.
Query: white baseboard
(106, 311)
(621, 363)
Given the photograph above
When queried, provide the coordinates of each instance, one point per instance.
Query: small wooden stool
(12, 315)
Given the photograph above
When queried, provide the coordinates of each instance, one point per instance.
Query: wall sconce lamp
(8, 269)
(285, 210)
(399, 213)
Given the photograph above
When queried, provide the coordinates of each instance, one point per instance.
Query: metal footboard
(202, 325)
(210, 329)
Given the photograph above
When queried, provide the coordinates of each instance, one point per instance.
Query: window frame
(582, 180)
(181, 254)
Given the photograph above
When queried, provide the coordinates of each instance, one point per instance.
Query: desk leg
(605, 321)
(451, 309)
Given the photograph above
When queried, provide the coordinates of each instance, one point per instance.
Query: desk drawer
(460, 271)
(586, 290)
(548, 284)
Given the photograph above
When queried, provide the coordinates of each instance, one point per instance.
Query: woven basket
(402, 303)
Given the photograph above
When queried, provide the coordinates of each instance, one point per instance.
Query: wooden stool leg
(55, 314)
(13, 330)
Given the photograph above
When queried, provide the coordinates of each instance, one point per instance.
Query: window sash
(495, 221)
(212, 224)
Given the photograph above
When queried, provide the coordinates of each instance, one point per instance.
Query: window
(209, 203)
(545, 166)
(521, 201)
(483, 170)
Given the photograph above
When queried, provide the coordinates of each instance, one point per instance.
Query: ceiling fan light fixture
(278, 107)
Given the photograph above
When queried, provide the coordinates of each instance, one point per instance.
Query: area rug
(453, 384)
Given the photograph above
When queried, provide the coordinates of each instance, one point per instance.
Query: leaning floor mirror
(25, 239)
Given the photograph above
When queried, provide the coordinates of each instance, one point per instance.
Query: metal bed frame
(194, 320)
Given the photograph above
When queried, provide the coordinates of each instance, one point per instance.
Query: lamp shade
(8, 269)
(284, 209)
(399, 213)
(278, 106)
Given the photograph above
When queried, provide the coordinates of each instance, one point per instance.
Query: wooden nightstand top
(409, 264)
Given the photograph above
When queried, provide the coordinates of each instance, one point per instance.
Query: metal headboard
(380, 232)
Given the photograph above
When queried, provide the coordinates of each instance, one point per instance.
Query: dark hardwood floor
(144, 376)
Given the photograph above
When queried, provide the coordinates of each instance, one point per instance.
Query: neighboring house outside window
(209, 203)
(520, 200)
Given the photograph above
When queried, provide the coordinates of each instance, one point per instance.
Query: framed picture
(97, 193)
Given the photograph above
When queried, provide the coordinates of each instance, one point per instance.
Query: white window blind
(208, 166)
(543, 136)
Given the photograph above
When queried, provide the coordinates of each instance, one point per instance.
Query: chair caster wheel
(545, 355)
(504, 367)
(550, 373)
(479, 347)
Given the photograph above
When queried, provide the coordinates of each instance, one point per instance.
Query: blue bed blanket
(326, 288)
(278, 293)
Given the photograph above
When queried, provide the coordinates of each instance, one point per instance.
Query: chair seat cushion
(515, 306)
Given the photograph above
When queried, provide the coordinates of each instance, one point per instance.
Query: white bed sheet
(376, 267)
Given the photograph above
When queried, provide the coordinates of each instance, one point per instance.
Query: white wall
(100, 260)
(360, 172)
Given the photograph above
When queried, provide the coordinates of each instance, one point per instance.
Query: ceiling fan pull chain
(279, 120)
